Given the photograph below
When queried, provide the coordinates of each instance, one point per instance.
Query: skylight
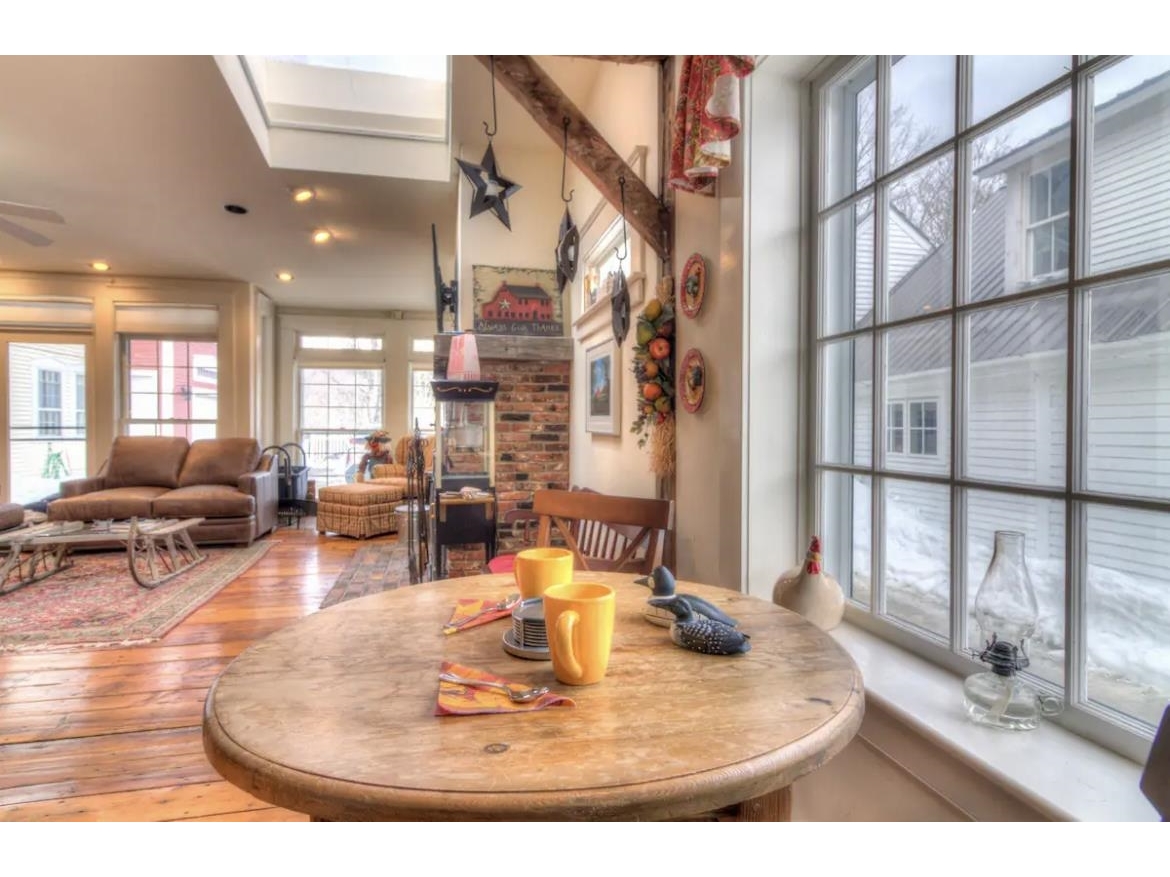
(394, 96)
(432, 67)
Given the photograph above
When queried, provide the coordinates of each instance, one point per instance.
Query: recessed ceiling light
(322, 235)
(100, 266)
(235, 208)
(284, 276)
(302, 195)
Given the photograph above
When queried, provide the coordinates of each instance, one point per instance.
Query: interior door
(44, 414)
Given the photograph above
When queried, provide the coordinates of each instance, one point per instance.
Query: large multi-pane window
(993, 353)
(170, 387)
(339, 407)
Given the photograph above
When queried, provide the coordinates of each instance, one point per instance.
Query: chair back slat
(604, 532)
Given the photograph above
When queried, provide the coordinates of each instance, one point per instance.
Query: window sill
(1053, 770)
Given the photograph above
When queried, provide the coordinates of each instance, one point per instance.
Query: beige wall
(265, 382)
(738, 487)
(534, 212)
(776, 412)
(892, 773)
(623, 106)
(233, 302)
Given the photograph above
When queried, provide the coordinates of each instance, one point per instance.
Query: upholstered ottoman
(360, 509)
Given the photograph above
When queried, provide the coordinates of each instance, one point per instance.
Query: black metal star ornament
(492, 189)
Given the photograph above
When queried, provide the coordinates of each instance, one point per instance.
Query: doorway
(43, 414)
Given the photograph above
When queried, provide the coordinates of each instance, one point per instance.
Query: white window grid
(1048, 225)
(896, 427)
(79, 401)
(48, 402)
(190, 427)
(1120, 732)
(422, 399)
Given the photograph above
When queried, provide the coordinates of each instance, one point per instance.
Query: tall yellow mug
(578, 618)
(538, 568)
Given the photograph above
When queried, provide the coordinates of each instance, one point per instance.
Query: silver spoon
(522, 696)
(508, 601)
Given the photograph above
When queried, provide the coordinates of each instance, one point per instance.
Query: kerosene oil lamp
(1006, 611)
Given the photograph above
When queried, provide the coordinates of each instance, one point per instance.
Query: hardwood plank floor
(115, 734)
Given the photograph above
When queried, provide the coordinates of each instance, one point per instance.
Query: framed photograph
(603, 387)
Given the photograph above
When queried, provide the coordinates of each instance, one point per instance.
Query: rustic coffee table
(157, 549)
(333, 716)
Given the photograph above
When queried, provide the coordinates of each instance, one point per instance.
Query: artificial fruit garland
(654, 372)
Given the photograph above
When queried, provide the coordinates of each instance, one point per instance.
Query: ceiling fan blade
(28, 211)
(25, 234)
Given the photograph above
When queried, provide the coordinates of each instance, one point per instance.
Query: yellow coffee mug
(578, 618)
(537, 568)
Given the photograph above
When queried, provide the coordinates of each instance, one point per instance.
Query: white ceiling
(139, 154)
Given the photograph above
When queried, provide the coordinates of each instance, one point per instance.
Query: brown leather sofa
(226, 481)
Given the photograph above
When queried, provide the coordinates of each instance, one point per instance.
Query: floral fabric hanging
(706, 119)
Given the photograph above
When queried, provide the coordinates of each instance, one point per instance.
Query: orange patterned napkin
(467, 700)
(466, 608)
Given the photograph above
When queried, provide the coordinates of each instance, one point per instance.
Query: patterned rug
(95, 603)
(372, 569)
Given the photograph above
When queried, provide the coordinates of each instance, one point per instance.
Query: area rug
(95, 603)
(372, 569)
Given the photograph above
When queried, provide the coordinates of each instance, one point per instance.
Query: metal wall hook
(565, 162)
(492, 131)
(621, 257)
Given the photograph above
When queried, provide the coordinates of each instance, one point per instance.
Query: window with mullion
(48, 402)
(161, 394)
(1048, 231)
(1068, 375)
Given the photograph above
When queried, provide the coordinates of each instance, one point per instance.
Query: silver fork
(507, 602)
(522, 696)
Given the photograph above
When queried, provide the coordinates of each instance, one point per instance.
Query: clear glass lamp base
(1001, 702)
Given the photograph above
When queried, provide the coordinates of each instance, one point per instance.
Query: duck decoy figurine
(661, 583)
(696, 632)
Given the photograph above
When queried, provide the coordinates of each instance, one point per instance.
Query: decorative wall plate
(694, 284)
(692, 379)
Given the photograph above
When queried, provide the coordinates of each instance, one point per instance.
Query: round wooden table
(334, 715)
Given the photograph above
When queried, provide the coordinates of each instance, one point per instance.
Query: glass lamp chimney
(1005, 604)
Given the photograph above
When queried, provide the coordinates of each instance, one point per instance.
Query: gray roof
(1131, 309)
(1116, 104)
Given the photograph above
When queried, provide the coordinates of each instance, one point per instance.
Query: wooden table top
(333, 715)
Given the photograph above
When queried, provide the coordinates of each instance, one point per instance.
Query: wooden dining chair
(606, 533)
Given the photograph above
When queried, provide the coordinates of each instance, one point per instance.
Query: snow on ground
(1128, 616)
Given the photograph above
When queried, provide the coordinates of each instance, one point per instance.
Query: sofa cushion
(118, 503)
(219, 461)
(204, 501)
(146, 461)
(11, 515)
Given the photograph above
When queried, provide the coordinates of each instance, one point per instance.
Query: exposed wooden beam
(535, 90)
(626, 59)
